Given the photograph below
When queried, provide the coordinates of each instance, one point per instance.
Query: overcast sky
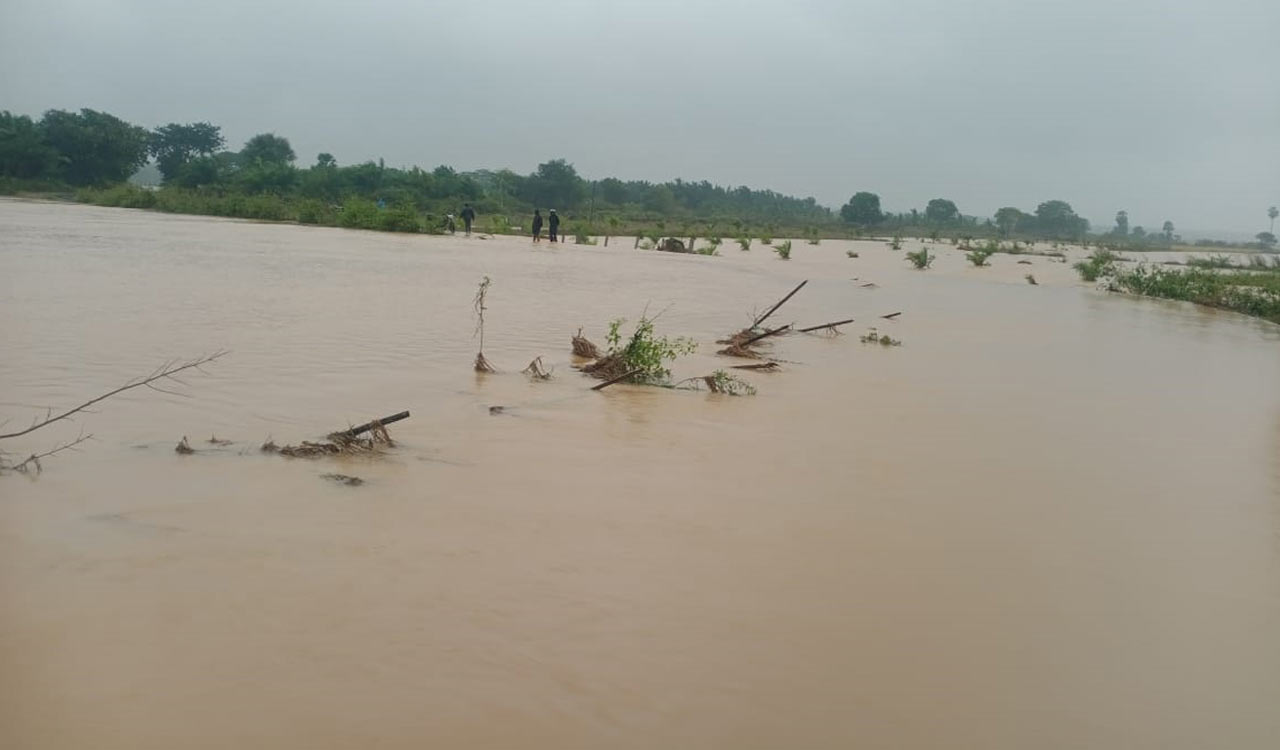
(1169, 109)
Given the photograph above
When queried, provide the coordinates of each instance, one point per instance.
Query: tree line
(91, 149)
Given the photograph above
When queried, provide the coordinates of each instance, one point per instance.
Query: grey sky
(1170, 110)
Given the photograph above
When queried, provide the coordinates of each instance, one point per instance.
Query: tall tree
(95, 147)
(1122, 224)
(175, 145)
(1272, 213)
(1168, 231)
(555, 184)
(862, 209)
(1008, 218)
(941, 211)
(267, 148)
(1057, 219)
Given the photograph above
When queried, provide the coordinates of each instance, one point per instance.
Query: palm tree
(1272, 213)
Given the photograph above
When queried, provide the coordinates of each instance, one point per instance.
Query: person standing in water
(537, 225)
(468, 215)
(553, 222)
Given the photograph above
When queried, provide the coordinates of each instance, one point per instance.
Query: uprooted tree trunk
(481, 364)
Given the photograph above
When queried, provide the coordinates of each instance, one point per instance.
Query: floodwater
(1050, 519)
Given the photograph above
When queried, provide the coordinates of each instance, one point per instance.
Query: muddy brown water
(1050, 519)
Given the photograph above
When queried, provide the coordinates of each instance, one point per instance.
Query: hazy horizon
(1166, 112)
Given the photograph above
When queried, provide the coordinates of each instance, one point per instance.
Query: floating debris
(183, 447)
(343, 479)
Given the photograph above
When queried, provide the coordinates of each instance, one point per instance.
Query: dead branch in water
(765, 335)
(584, 348)
(780, 303)
(33, 461)
(536, 371)
(342, 442)
(166, 371)
(618, 379)
(761, 367)
(826, 326)
(891, 316)
(477, 305)
(372, 424)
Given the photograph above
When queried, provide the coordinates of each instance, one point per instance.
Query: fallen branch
(765, 335)
(164, 372)
(781, 302)
(831, 326)
(891, 316)
(584, 348)
(536, 371)
(618, 379)
(34, 459)
(371, 425)
(763, 366)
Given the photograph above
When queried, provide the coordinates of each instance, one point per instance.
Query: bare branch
(169, 368)
(34, 459)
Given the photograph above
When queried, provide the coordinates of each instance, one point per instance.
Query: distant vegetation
(93, 153)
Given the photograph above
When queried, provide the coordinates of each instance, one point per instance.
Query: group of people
(468, 215)
(553, 225)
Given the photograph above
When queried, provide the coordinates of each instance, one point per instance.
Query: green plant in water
(1213, 261)
(874, 337)
(1100, 263)
(978, 257)
(646, 352)
(707, 250)
(813, 237)
(783, 250)
(850, 253)
(722, 382)
(895, 243)
(744, 243)
(921, 258)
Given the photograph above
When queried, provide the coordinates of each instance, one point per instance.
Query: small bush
(895, 243)
(1100, 263)
(850, 253)
(921, 258)
(783, 250)
(401, 218)
(744, 243)
(979, 256)
(646, 351)
(358, 213)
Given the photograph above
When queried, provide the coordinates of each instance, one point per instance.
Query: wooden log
(891, 316)
(781, 302)
(760, 366)
(765, 335)
(618, 379)
(826, 325)
(370, 425)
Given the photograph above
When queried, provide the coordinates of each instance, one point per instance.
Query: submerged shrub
(921, 258)
(979, 256)
(1100, 263)
(783, 250)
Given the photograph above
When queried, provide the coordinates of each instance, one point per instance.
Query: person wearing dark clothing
(537, 225)
(553, 224)
(468, 216)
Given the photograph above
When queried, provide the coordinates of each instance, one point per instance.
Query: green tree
(1122, 224)
(1008, 219)
(325, 160)
(1267, 240)
(173, 145)
(1272, 213)
(941, 211)
(613, 190)
(1139, 233)
(24, 153)
(94, 147)
(555, 184)
(862, 209)
(267, 148)
(1168, 231)
(1057, 219)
